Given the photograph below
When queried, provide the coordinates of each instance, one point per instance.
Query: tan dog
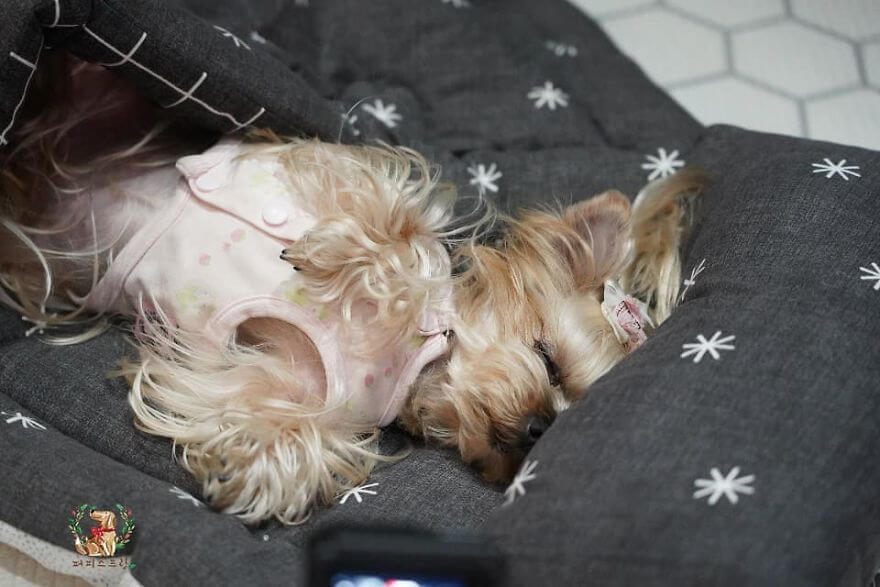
(103, 540)
(530, 329)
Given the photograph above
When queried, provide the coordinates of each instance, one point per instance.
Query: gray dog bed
(737, 447)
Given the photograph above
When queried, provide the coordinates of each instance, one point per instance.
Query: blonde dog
(273, 375)
(103, 540)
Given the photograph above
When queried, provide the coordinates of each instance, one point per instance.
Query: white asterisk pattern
(458, 3)
(38, 326)
(238, 42)
(711, 346)
(549, 96)
(872, 274)
(181, 494)
(26, 422)
(517, 487)
(728, 486)
(663, 164)
(485, 178)
(387, 115)
(350, 120)
(357, 492)
(840, 168)
(688, 282)
(561, 49)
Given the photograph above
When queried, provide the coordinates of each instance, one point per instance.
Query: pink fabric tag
(630, 319)
(627, 316)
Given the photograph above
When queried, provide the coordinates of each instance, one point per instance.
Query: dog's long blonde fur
(239, 417)
(258, 444)
(529, 334)
(661, 217)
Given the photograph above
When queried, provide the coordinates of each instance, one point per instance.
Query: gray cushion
(612, 500)
(789, 413)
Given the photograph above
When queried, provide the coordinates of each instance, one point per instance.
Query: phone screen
(360, 580)
(386, 556)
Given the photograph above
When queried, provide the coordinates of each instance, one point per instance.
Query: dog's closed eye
(553, 371)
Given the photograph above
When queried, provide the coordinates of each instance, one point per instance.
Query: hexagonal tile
(856, 19)
(733, 101)
(795, 59)
(727, 13)
(871, 55)
(668, 47)
(600, 7)
(852, 118)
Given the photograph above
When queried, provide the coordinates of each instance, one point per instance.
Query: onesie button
(275, 213)
(212, 179)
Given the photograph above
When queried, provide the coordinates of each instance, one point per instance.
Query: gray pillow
(739, 446)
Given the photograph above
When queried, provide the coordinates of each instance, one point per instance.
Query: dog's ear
(661, 218)
(589, 240)
(602, 223)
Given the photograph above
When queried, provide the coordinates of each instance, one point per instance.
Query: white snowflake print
(517, 487)
(387, 115)
(26, 422)
(561, 49)
(840, 168)
(711, 346)
(872, 274)
(484, 178)
(687, 283)
(238, 42)
(458, 3)
(663, 164)
(728, 486)
(39, 326)
(350, 120)
(257, 37)
(549, 96)
(181, 494)
(357, 491)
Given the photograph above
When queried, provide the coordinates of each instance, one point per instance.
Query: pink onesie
(206, 247)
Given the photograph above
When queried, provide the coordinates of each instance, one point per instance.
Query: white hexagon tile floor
(807, 68)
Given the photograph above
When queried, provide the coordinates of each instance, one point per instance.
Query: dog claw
(285, 256)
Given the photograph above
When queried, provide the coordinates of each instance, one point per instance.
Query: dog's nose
(534, 426)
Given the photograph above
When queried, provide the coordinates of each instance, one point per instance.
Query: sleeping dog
(289, 297)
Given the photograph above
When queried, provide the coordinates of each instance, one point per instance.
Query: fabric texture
(769, 421)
